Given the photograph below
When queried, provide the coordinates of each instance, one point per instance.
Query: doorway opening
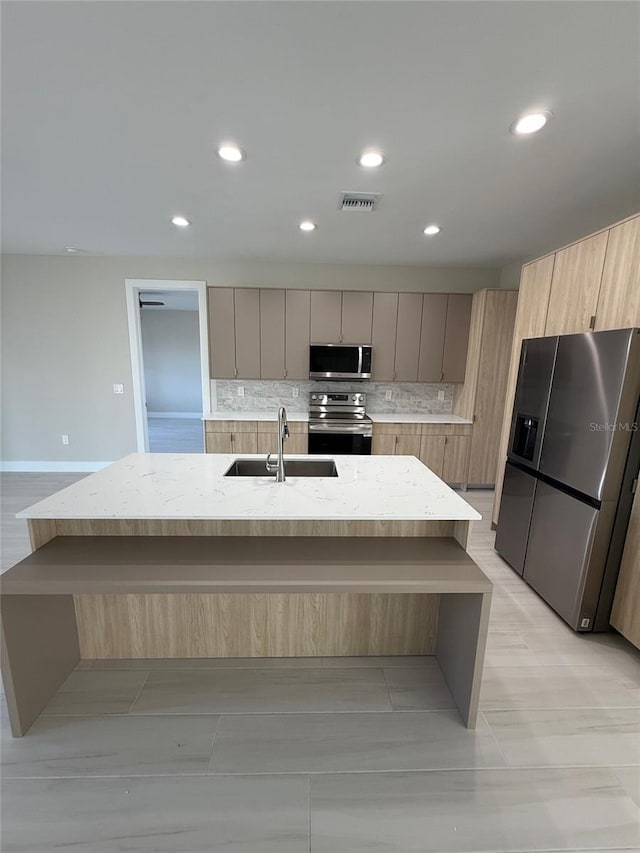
(169, 359)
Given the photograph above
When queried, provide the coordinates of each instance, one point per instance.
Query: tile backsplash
(264, 395)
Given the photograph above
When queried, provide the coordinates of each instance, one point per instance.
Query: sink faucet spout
(283, 435)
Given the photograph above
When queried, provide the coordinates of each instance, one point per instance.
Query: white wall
(171, 355)
(65, 339)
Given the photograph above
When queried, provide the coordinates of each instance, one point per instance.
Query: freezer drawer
(518, 491)
(559, 552)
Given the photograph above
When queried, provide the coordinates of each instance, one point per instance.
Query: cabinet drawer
(446, 429)
(271, 427)
(397, 429)
(295, 444)
(230, 426)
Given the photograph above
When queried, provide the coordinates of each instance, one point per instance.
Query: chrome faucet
(283, 435)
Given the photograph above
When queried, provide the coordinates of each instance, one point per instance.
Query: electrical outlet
(240, 390)
(295, 392)
(65, 438)
(118, 388)
(388, 395)
(440, 395)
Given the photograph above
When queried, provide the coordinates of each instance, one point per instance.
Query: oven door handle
(344, 428)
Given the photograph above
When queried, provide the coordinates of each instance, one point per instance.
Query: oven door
(325, 439)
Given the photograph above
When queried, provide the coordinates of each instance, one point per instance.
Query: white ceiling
(112, 112)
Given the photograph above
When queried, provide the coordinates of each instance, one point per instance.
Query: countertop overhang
(193, 486)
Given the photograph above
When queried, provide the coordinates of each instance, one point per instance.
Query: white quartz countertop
(192, 486)
(376, 417)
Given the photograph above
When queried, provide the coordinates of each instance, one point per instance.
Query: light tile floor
(335, 755)
(176, 435)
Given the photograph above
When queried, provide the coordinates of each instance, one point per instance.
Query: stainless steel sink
(292, 468)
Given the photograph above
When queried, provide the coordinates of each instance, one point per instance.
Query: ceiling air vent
(359, 201)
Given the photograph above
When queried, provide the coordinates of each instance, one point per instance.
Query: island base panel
(463, 624)
(256, 625)
(39, 650)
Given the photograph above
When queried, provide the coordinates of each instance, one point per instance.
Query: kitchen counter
(167, 486)
(376, 417)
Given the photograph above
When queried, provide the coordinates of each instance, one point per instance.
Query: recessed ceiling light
(72, 250)
(231, 153)
(181, 222)
(371, 159)
(307, 225)
(432, 230)
(530, 122)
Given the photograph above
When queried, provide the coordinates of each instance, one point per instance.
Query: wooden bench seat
(40, 641)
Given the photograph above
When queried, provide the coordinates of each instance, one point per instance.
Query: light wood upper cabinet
(408, 337)
(247, 317)
(222, 337)
(432, 336)
(385, 319)
(297, 331)
(272, 334)
(531, 315)
(456, 338)
(619, 302)
(326, 316)
(575, 286)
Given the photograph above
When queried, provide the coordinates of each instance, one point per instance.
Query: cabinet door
(432, 452)
(619, 302)
(456, 337)
(357, 317)
(456, 458)
(383, 444)
(383, 339)
(531, 313)
(491, 387)
(247, 314)
(222, 336)
(434, 318)
(297, 320)
(326, 316)
(244, 442)
(625, 615)
(272, 334)
(408, 445)
(218, 442)
(575, 286)
(408, 337)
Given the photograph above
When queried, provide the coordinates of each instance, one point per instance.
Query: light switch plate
(440, 395)
(295, 392)
(240, 390)
(65, 438)
(118, 388)
(388, 395)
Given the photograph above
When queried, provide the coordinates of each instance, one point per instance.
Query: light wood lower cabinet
(432, 452)
(625, 615)
(253, 437)
(456, 458)
(443, 448)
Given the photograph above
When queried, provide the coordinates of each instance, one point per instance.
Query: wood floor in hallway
(355, 754)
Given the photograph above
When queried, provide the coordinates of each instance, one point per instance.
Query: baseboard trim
(51, 467)
(197, 415)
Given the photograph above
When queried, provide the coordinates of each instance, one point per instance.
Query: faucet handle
(271, 467)
(286, 430)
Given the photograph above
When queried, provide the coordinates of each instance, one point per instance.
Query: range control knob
(313, 397)
(355, 397)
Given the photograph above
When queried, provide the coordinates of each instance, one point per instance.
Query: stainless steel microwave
(339, 361)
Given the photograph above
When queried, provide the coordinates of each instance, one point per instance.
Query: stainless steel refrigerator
(573, 459)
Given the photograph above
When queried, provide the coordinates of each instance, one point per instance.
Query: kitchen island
(183, 561)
